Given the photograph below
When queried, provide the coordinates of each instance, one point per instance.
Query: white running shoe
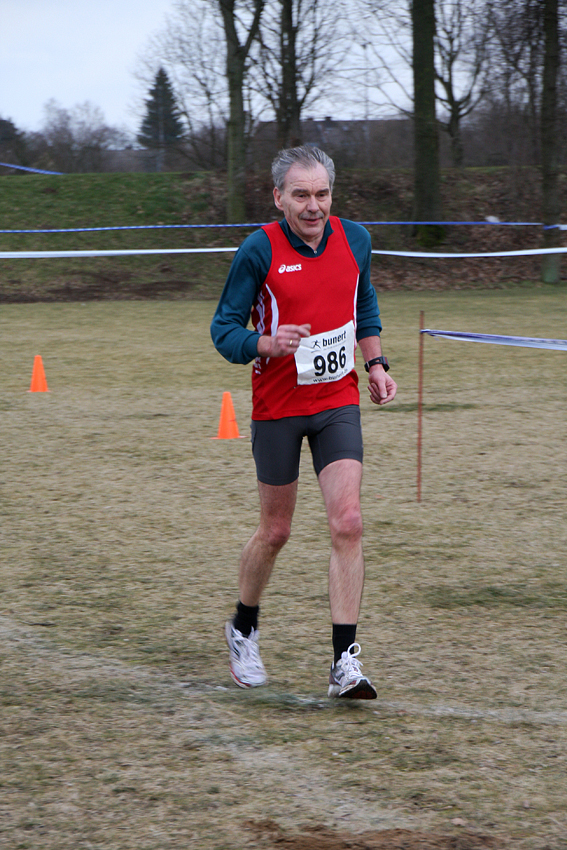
(347, 680)
(246, 666)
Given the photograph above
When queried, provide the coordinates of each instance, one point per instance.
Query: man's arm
(229, 331)
(381, 386)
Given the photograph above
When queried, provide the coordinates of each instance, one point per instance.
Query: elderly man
(305, 281)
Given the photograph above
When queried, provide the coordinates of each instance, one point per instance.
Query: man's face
(306, 201)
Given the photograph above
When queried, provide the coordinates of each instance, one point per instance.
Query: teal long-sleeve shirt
(249, 269)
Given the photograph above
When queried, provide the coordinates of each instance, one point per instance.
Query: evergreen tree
(12, 143)
(161, 127)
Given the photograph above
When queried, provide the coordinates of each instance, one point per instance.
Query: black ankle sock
(343, 636)
(246, 618)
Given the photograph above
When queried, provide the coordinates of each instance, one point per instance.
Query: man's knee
(347, 524)
(276, 534)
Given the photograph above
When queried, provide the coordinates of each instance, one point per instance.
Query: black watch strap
(382, 360)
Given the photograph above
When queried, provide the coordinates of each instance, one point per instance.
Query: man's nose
(312, 203)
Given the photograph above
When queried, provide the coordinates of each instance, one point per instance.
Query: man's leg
(340, 484)
(277, 504)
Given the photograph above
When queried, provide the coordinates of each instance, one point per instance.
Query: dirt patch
(393, 274)
(119, 287)
(106, 286)
(321, 838)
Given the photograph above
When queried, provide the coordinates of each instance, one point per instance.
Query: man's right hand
(286, 341)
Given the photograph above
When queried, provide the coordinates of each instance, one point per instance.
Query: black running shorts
(332, 435)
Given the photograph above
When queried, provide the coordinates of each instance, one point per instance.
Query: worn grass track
(121, 526)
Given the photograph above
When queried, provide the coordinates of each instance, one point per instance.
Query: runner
(305, 281)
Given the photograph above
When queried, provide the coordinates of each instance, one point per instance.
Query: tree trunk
(289, 117)
(236, 56)
(236, 147)
(427, 181)
(457, 151)
(550, 267)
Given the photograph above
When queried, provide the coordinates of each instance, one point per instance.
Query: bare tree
(76, 139)
(300, 47)
(378, 70)
(461, 45)
(460, 57)
(517, 61)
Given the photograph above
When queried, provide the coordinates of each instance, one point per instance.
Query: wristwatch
(382, 360)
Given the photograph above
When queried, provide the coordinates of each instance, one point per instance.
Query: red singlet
(320, 291)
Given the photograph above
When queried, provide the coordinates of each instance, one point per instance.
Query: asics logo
(283, 268)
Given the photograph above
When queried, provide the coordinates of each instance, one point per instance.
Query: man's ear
(277, 198)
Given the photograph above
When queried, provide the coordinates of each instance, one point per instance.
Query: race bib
(326, 357)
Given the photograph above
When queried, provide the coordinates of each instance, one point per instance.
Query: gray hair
(306, 156)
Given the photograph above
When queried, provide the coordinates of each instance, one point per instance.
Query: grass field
(122, 522)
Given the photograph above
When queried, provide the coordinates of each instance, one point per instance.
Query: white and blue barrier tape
(33, 170)
(123, 252)
(42, 255)
(528, 252)
(490, 221)
(131, 227)
(497, 339)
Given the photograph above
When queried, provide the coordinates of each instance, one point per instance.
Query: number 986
(331, 364)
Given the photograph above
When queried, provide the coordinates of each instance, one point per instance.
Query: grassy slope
(104, 200)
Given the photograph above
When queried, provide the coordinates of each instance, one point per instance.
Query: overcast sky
(73, 51)
(86, 50)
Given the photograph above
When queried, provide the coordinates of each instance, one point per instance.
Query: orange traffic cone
(38, 381)
(228, 428)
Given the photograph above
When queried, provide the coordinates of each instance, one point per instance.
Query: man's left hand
(381, 386)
